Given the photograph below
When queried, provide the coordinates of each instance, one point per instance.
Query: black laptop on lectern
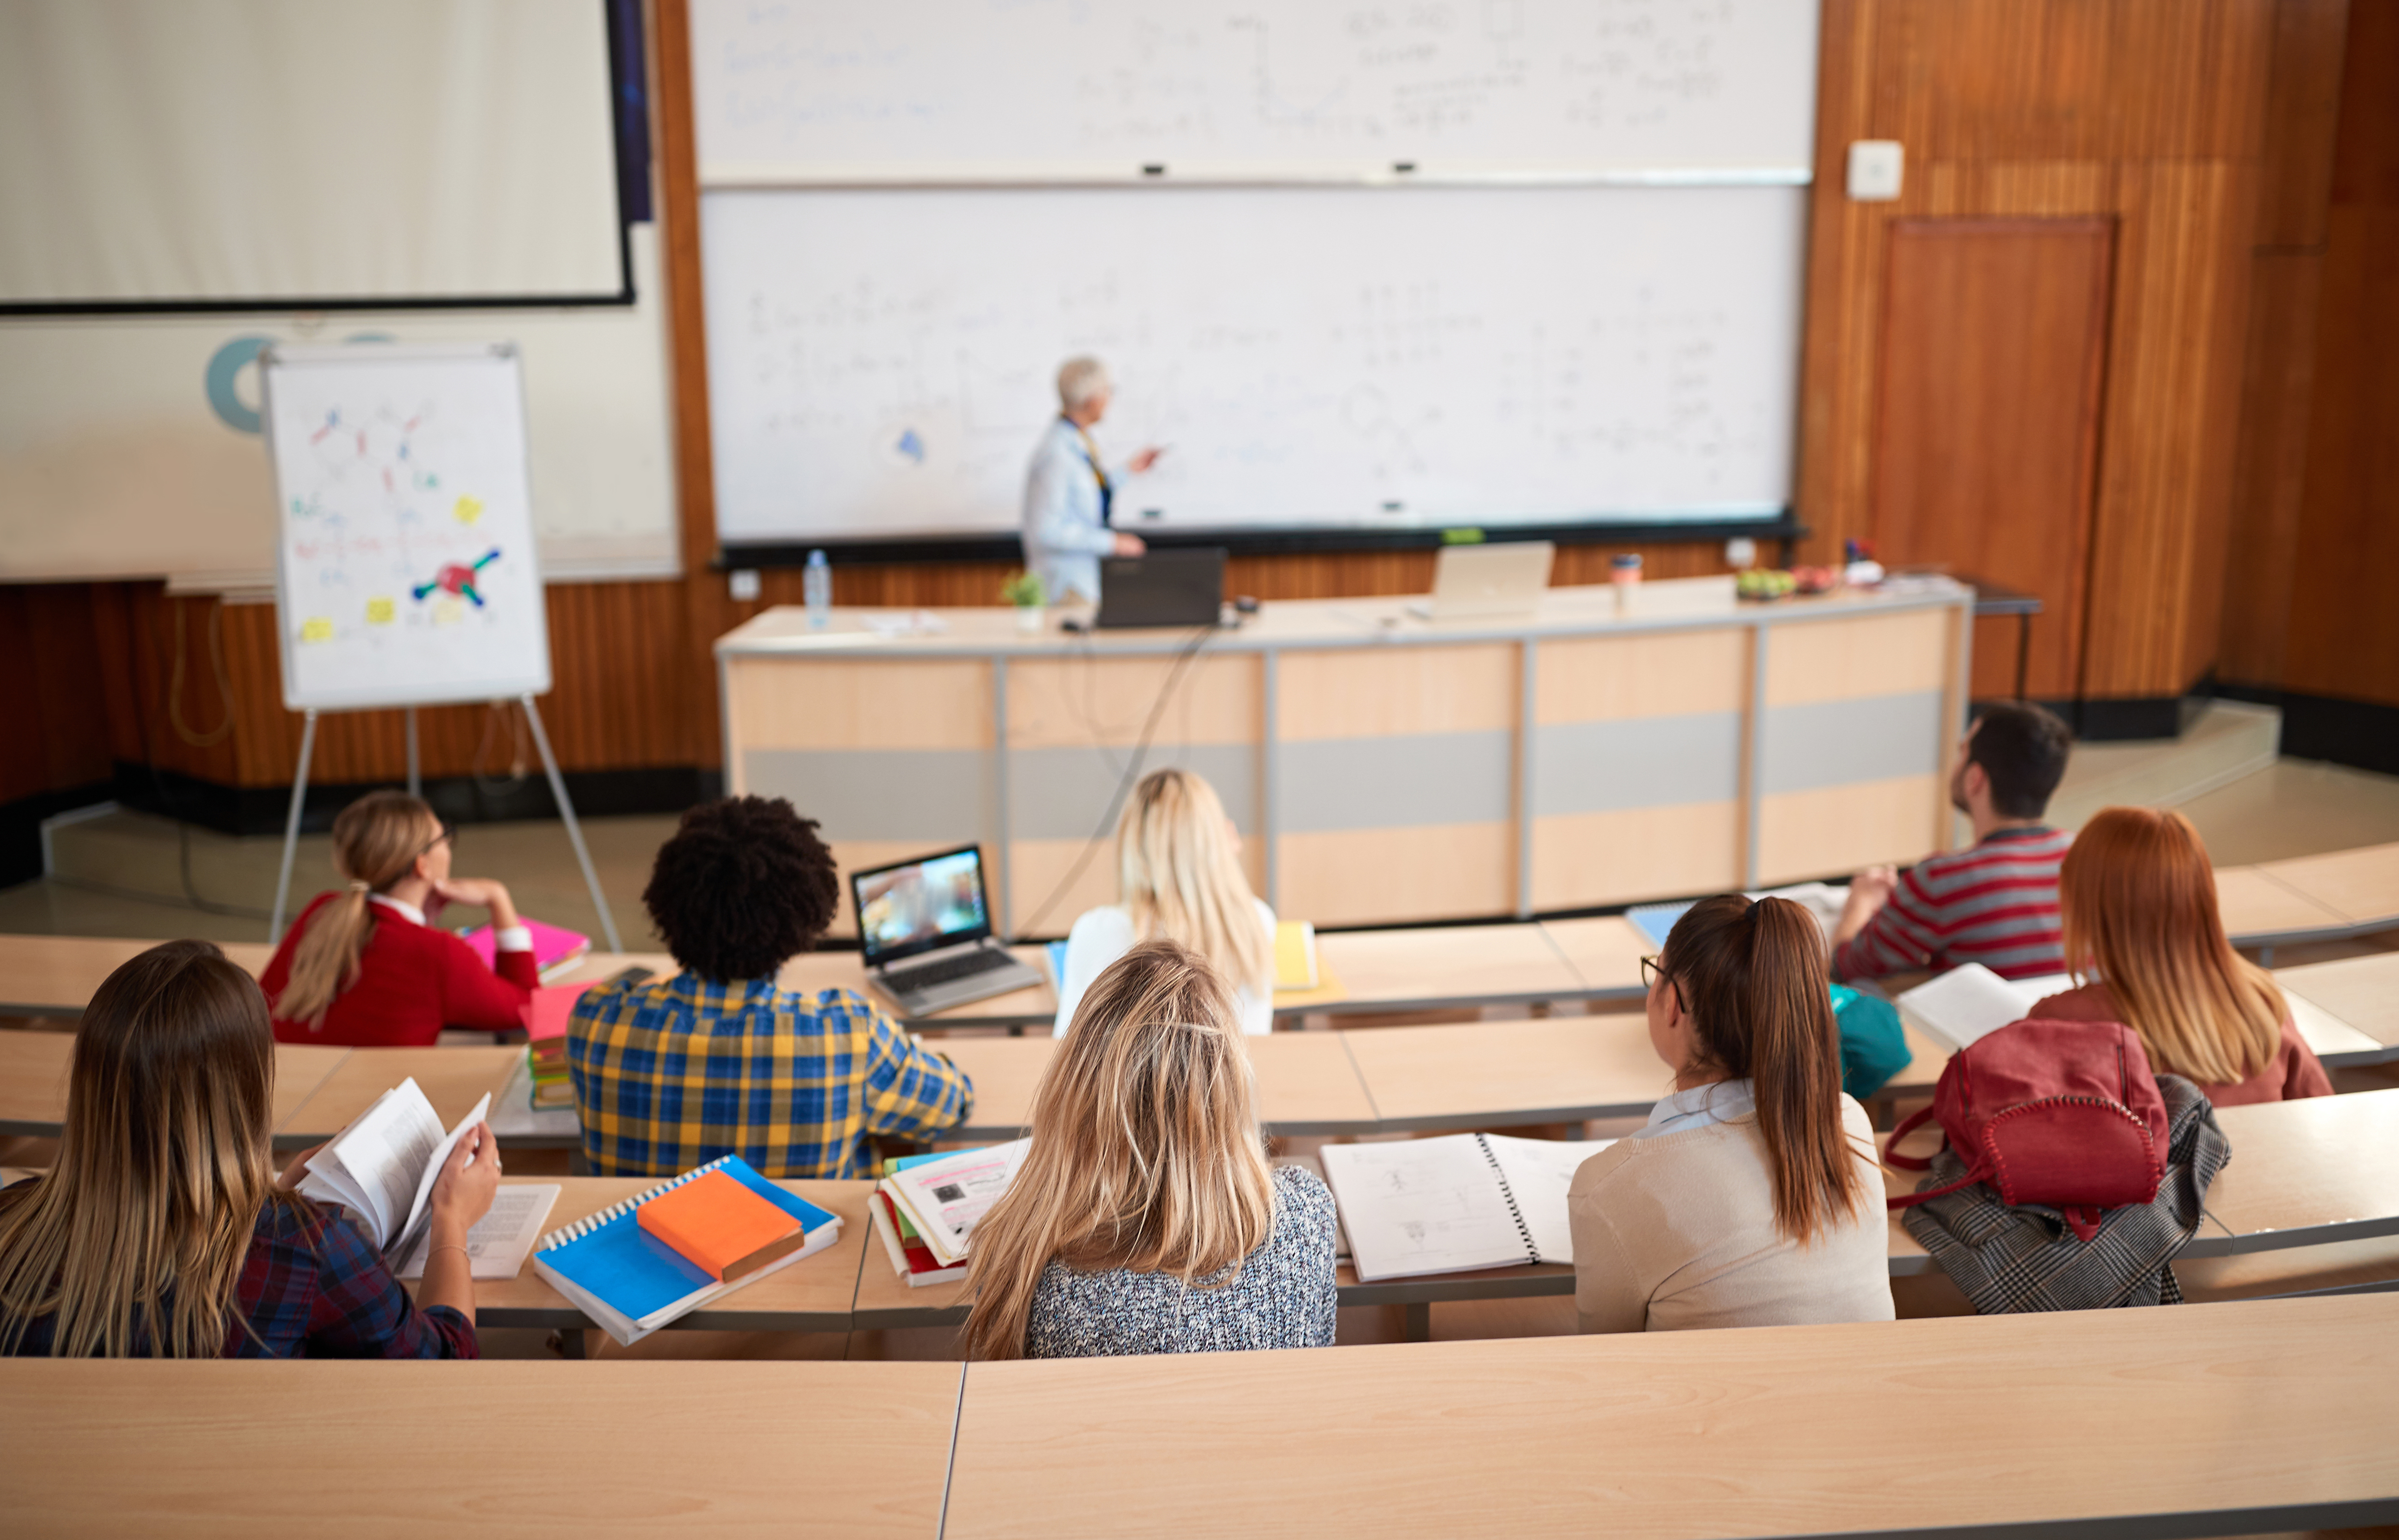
(1177, 587)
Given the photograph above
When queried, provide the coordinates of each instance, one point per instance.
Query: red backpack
(2064, 1113)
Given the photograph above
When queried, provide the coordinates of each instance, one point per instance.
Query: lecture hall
(1151, 768)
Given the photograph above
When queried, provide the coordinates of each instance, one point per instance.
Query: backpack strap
(1909, 1200)
(1907, 1125)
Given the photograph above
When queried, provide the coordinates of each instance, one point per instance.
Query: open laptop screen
(920, 905)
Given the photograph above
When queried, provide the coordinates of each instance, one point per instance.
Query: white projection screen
(288, 154)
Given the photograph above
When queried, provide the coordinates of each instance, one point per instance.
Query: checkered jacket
(2025, 1258)
(672, 1076)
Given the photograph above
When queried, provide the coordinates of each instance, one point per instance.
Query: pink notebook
(552, 946)
(545, 1013)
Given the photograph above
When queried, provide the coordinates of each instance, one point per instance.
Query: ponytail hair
(1752, 977)
(376, 841)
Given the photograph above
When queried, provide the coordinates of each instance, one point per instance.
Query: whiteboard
(967, 90)
(880, 362)
(405, 573)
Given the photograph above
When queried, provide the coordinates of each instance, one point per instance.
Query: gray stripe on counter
(1063, 793)
(1403, 782)
(935, 796)
(1636, 761)
(1842, 742)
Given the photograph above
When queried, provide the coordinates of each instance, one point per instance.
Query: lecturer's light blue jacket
(1063, 537)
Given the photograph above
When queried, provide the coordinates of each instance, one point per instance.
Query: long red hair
(2138, 898)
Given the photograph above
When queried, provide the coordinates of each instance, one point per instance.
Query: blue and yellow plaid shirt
(672, 1076)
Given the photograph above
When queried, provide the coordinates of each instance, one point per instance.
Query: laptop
(1482, 582)
(925, 926)
(1177, 587)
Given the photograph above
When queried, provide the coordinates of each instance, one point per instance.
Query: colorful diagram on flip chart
(406, 556)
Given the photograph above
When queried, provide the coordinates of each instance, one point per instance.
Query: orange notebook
(721, 1227)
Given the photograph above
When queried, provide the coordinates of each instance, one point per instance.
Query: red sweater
(412, 982)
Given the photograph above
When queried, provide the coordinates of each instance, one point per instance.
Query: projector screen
(306, 154)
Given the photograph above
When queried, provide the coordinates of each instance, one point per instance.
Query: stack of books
(925, 1206)
(544, 1019)
(659, 1255)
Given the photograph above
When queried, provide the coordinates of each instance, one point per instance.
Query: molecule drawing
(458, 579)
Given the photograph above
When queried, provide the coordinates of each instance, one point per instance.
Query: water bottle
(818, 586)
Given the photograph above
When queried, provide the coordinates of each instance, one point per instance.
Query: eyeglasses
(1652, 970)
(448, 833)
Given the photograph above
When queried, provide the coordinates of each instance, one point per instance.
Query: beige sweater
(1678, 1231)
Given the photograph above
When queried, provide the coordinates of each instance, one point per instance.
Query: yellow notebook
(1294, 955)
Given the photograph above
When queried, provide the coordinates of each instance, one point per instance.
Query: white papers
(500, 1241)
(1965, 1003)
(1537, 1173)
(945, 1198)
(382, 1166)
(1423, 1206)
(1821, 899)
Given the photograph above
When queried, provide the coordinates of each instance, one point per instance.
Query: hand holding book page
(382, 1166)
(501, 1240)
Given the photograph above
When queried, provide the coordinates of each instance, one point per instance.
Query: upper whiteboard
(898, 90)
(880, 361)
(406, 568)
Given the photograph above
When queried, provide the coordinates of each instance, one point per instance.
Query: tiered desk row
(2268, 1415)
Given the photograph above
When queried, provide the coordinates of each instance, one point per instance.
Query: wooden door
(1986, 435)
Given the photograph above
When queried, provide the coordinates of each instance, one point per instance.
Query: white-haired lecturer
(1067, 492)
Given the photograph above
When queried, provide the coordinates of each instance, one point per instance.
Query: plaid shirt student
(672, 1076)
(312, 1287)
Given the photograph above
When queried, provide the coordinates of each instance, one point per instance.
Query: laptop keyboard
(965, 965)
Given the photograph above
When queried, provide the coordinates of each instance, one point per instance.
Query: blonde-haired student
(162, 1231)
(1179, 877)
(2143, 936)
(1146, 1217)
(363, 966)
(1753, 1196)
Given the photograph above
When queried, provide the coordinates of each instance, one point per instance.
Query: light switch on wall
(1875, 168)
(743, 582)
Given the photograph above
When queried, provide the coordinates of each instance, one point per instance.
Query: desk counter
(1383, 769)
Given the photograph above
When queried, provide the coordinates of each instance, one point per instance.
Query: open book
(382, 1166)
(1452, 1205)
(1970, 1002)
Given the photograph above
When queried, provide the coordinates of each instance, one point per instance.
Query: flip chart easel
(405, 566)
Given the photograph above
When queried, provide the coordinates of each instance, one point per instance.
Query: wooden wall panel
(56, 737)
(1988, 430)
(2269, 465)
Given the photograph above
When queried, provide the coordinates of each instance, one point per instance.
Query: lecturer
(1068, 493)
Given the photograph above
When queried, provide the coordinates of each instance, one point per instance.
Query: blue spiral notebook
(630, 1283)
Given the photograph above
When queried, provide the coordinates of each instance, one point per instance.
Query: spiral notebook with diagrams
(1452, 1205)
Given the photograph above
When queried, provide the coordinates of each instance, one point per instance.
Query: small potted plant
(1024, 590)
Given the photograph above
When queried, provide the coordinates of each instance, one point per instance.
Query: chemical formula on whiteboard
(407, 570)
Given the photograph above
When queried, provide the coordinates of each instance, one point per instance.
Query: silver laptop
(1483, 582)
(925, 926)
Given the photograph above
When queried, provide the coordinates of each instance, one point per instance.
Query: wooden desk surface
(2252, 903)
(1387, 970)
(57, 975)
(814, 1294)
(2360, 886)
(2363, 992)
(1307, 1082)
(1497, 1073)
(812, 971)
(451, 1078)
(2288, 1409)
(408, 1450)
(34, 1079)
(1605, 952)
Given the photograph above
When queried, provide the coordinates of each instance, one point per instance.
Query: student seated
(365, 967)
(162, 1231)
(719, 1059)
(2143, 937)
(1146, 1217)
(1178, 876)
(1753, 1196)
(1995, 903)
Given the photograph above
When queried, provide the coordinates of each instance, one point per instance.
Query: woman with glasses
(366, 966)
(1753, 1196)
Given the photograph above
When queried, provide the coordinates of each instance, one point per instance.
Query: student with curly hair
(719, 1060)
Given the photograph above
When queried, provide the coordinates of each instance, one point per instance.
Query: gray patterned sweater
(1284, 1297)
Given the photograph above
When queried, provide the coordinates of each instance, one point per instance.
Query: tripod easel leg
(574, 829)
(291, 822)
